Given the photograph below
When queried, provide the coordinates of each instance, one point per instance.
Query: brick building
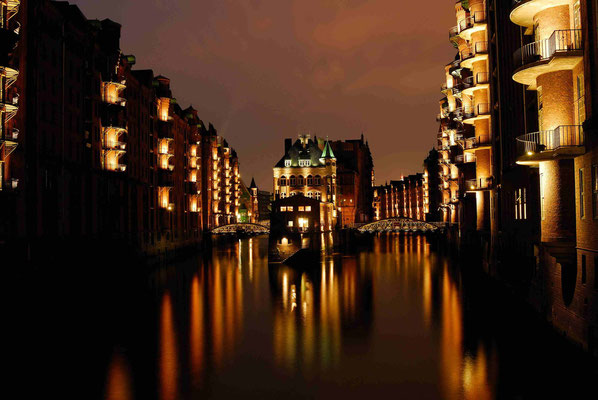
(402, 198)
(99, 153)
(355, 174)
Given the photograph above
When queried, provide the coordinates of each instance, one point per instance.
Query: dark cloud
(263, 70)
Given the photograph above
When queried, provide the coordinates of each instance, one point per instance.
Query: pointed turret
(327, 153)
(253, 185)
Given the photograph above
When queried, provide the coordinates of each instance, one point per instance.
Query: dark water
(394, 320)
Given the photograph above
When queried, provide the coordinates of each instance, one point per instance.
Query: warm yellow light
(529, 153)
(472, 187)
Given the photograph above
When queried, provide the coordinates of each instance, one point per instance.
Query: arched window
(310, 180)
(310, 194)
(317, 180)
(293, 180)
(318, 195)
(282, 181)
(300, 181)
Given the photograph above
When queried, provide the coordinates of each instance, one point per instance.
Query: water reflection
(395, 318)
(118, 385)
(168, 352)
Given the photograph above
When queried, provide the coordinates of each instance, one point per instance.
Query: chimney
(287, 145)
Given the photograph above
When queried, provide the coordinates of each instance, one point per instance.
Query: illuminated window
(301, 208)
(287, 163)
(304, 163)
(318, 195)
(283, 209)
(520, 204)
(290, 208)
(308, 208)
(581, 199)
(595, 190)
(290, 224)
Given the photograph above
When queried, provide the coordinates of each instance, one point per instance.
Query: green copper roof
(327, 153)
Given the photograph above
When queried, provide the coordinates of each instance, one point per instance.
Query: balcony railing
(477, 110)
(561, 41)
(475, 142)
(477, 49)
(478, 184)
(548, 140)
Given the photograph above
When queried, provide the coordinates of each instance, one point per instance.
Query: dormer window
(287, 163)
(304, 163)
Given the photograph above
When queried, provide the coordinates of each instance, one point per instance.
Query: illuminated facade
(559, 64)
(106, 156)
(404, 198)
(355, 179)
(308, 167)
(9, 134)
(221, 180)
(465, 136)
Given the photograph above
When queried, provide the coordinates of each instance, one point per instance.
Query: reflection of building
(355, 173)
(301, 214)
(308, 167)
(403, 198)
(314, 312)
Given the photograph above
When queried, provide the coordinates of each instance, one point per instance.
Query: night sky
(263, 70)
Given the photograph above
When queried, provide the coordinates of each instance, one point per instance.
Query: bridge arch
(246, 227)
(400, 224)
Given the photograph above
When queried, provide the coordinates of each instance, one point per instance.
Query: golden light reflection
(118, 383)
(226, 309)
(197, 329)
(463, 376)
(168, 352)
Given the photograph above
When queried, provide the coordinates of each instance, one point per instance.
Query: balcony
(192, 187)
(477, 52)
(481, 142)
(165, 130)
(9, 37)
(465, 158)
(561, 51)
(165, 178)
(523, 11)
(472, 24)
(479, 111)
(481, 80)
(566, 141)
(476, 185)
(10, 75)
(454, 90)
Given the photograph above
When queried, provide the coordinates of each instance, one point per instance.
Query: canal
(394, 318)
